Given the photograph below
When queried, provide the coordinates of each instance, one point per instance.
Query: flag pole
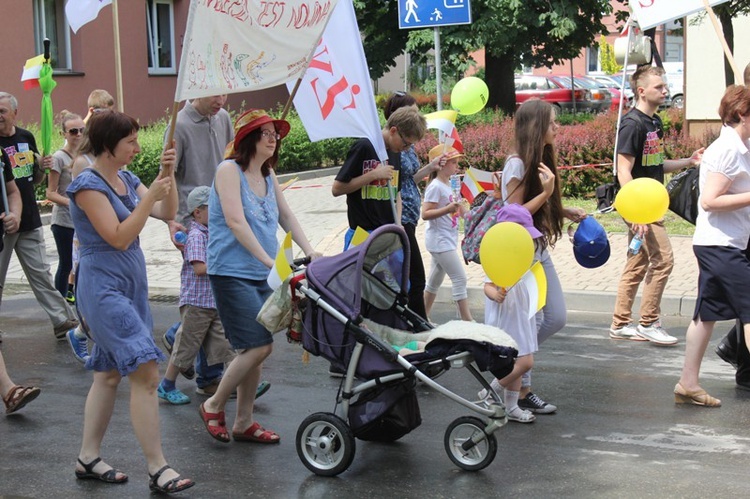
(724, 44)
(118, 58)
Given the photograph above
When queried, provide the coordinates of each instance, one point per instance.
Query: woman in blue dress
(109, 208)
(245, 208)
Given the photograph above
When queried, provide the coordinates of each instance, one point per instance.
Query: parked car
(601, 99)
(612, 82)
(674, 76)
(667, 101)
(551, 90)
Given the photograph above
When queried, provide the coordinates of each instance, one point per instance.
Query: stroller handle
(298, 262)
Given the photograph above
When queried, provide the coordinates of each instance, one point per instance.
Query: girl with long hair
(530, 178)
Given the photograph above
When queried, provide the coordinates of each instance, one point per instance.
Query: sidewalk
(323, 218)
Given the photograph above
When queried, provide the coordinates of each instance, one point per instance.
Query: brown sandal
(19, 396)
(696, 397)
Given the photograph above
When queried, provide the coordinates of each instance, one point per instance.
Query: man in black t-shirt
(640, 153)
(366, 181)
(28, 241)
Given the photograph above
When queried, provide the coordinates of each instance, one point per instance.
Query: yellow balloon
(642, 201)
(506, 253)
(469, 95)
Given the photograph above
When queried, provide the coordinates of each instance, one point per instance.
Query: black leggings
(416, 273)
(64, 243)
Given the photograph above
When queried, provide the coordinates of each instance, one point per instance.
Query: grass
(612, 222)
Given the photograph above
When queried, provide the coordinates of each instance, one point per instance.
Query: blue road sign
(431, 13)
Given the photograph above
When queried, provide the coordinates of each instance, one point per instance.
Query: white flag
(80, 12)
(233, 47)
(655, 12)
(282, 265)
(335, 97)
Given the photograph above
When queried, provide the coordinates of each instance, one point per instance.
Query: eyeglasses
(76, 131)
(406, 142)
(268, 134)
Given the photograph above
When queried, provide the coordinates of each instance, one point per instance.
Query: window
(160, 32)
(593, 64)
(49, 22)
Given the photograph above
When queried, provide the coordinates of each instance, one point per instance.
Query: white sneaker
(656, 334)
(627, 332)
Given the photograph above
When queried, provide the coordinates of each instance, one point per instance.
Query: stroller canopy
(376, 271)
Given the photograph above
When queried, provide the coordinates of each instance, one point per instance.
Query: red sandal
(256, 433)
(219, 432)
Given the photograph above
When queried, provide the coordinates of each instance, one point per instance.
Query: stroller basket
(385, 413)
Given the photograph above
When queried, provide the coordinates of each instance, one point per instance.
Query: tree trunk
(500, 80)
(726, 26)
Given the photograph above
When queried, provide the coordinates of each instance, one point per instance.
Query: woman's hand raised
(547, 178)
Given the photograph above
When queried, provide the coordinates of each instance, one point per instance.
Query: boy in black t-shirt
(366, 181)
(640, 153)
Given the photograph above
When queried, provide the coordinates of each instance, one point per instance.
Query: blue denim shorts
(239, 301)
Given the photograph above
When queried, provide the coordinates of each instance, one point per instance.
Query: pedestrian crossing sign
(432, 13)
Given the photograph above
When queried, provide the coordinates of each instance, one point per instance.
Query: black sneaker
(536, 405)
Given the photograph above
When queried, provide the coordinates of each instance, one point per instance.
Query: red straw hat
(252, 120)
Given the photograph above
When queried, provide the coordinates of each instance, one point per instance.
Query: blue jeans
(206, 374)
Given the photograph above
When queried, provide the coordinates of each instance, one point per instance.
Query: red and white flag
(80, 12)
(445, 122)
(476, 181)
(30, 75)
(335, 97)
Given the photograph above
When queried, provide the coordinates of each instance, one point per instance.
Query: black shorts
(722, 284)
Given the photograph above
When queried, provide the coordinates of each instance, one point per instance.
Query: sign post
(433, 14)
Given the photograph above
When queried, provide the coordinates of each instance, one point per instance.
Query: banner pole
(724, 44)
(118, 58)
(631, 28)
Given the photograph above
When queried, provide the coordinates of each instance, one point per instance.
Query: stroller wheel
(325, 444)
(462, 447)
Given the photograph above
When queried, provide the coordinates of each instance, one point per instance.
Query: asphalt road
(617, 433)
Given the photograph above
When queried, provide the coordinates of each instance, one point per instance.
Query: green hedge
(487, 137)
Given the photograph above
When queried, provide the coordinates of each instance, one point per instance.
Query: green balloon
(469, 95)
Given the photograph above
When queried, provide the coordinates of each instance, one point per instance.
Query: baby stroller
(354, 313)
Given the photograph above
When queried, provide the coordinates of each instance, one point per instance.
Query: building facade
(150, 40)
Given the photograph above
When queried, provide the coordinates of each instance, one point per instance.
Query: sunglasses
(76, 131)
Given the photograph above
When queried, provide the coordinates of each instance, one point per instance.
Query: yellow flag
(360, 235)
(536, 283)
(282, 266)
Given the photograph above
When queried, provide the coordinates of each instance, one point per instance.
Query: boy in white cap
(201, 325)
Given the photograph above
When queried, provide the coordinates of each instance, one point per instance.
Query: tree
(726, 12)
(515, 32)
(607, 57)
(382, 40)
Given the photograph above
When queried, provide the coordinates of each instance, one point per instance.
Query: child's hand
(465, 207)
(500, 294)
(454, 207)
